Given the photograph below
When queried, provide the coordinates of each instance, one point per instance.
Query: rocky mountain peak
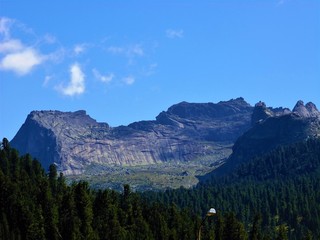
(208, 110)
(260, 104)
(300, 109)
(306, 111)
(59, 120)
(275, 127)
(312, 109)
(184, 133)
(198, 135)
(260, 113)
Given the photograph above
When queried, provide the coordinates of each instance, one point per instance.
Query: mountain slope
(197, 134)
(187, 140)
(273, 128)
(282, 187)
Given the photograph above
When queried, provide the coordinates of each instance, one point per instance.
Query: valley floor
(151, 177)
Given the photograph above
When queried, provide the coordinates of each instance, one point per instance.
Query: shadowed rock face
(273, 128)
(184, 133)
(261, 112)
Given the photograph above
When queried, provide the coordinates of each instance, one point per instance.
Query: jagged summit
(300, 109)
(261, 112)
(273, 128)
(308, 110)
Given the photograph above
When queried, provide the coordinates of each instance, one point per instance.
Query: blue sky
(124, 61)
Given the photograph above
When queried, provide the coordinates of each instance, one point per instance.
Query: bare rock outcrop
(308, 110)
(185, 133)
(274, 129)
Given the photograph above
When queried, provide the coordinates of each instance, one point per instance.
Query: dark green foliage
(282, 232)
(52, 178)
(234, 229)
(35, 205)
(270, 192)
(272, 197)
(83, 204)
(255, 233)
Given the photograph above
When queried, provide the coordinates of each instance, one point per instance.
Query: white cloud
(171, 33)
(136, 50)
(21, 62)
(11, 45)
(49, 39)
(77, 84)
(129, 80)
(47, 79)
(78, 49)
(149, 70)
(16, 57)
(103, 78)
(58, 55)
(5, 26)
(129, 51)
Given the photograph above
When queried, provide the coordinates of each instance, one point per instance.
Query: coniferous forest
(275, 196)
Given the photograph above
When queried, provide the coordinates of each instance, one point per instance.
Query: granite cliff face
(185, 133)
(272, 128)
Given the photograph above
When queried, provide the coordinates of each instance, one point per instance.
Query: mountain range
(272, 128)
(187, 140)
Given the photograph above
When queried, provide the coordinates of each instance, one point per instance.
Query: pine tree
(83, 205)
(4, 227)
(255, 233)
(233, 229)
(36, 230)
(69, 223)
(282, 232)
(53, 178)
(219, 226)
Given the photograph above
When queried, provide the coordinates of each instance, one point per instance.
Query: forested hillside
(36, 205)
(281, 190)
(269, 198)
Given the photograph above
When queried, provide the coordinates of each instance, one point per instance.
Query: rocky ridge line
(187, 132)
(272, 128)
